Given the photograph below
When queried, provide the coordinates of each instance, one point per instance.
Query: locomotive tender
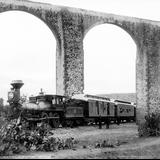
(79, 109)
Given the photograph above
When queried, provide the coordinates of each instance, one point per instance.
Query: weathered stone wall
(70, 25)
(73, 49)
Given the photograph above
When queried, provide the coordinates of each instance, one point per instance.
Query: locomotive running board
(40, 119)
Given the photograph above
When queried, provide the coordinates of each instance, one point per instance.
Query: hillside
(131, 97)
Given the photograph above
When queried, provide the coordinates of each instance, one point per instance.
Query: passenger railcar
(125, 111)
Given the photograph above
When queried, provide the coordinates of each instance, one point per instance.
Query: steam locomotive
(72, 111)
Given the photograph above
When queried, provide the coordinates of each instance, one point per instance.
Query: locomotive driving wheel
(55, 122)
(45, 116)
(46, 120)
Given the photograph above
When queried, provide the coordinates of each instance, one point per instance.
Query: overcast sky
(28, 48)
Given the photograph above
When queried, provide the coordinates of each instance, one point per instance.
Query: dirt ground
(124, 141)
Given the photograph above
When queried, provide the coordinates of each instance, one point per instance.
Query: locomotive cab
(45, 107)
(47, 102)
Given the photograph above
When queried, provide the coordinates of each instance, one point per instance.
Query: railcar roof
(121, 101)
(87, 97)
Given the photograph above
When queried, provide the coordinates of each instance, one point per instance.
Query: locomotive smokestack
(17, 84)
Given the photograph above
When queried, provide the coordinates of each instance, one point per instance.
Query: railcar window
(53, 101)
(57, 101)
(63, 99)
(60, 100)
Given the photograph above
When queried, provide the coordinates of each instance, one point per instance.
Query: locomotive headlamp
(10, 95)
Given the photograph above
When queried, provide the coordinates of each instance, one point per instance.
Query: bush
(17, 138)
(151, 127)
(10, 112)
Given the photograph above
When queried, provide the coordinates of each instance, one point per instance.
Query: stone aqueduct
(70, 25)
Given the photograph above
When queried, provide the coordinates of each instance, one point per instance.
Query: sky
(28, 49)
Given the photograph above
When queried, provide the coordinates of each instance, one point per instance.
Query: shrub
(16, 138)
(151, 127)
(10, 112)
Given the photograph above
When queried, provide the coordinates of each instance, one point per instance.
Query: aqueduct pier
(69, 27)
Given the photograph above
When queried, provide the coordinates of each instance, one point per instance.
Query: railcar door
(106, 109)
(93, 108)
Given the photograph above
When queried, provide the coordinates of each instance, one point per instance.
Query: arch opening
(109, 61)
(28, 52)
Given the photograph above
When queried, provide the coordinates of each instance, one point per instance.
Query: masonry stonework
(69, 27)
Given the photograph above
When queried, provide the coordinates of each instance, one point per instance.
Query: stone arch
(51, 17)
(47, 42)
(116, 23)
(122, 31)
(41, 17)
